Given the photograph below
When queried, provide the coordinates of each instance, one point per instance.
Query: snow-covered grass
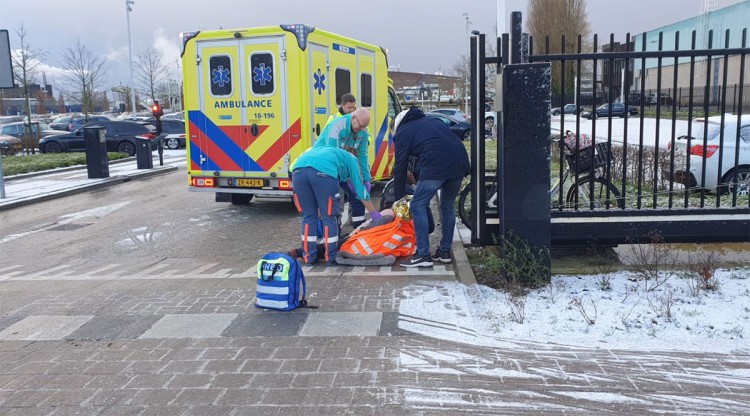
(611, 310)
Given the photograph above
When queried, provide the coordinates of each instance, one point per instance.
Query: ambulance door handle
(254, 130)
(317, 129)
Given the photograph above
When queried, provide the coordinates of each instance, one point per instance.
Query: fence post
(525, 154)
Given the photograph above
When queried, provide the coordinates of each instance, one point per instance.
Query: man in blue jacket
(443, 163)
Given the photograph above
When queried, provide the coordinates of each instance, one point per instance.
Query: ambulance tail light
(285, 184)
(204, 182)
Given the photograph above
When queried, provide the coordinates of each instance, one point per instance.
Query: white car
(735, 178)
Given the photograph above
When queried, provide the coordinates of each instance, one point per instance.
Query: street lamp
(130, 55)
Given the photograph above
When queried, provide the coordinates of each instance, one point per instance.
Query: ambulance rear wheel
(241, 199)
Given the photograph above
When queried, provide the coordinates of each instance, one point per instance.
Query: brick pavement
(255, 362)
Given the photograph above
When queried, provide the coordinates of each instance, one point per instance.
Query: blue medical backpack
(279, 281)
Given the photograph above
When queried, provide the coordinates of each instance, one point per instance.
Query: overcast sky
(421, 35)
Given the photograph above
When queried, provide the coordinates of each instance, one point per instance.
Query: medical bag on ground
(281, 283)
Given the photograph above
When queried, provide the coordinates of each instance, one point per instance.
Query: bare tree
(26, 60)
(555, 19)
(85, 73)
(150, 70)
(41, 102)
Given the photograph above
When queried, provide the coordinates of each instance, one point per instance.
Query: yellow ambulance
(256, 98)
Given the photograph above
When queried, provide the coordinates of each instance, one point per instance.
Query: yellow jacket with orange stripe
(393, 238)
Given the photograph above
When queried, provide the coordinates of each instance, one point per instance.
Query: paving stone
(271, 324)
(69, 397)
(180, 381)
(149, 381)
(44, 327)
(190, 326)
(222, 366)
(154, 397)
(106, 367)
(198, 396)
(231, 381)
(339, 324)
(241, 397)
(114, 327)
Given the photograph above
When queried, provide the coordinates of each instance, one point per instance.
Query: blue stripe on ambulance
(212, 132)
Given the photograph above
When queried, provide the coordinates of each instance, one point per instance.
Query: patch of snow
(623, 317)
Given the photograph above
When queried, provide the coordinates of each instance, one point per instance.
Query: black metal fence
(681, 141)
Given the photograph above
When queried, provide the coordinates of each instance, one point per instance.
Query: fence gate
(637, 162)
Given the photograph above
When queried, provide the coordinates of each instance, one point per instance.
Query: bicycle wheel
(386, 198)
(464, 203)
(579, 195)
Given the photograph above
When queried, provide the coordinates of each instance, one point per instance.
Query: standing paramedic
(443, 163)
(348, 131)
(316, 175)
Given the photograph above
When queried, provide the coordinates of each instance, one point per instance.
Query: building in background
(425, 89)
(708, 25)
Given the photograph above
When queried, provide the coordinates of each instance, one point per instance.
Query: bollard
(97, 163)
(143, 153)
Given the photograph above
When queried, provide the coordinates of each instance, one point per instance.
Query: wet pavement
(183, 338)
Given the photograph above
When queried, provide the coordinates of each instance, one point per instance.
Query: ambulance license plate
(249, 183)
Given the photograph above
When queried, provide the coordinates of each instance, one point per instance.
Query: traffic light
(156, 110)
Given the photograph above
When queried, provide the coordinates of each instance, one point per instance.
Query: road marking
(98, 212)
(100, 270)
(43, 327)
(190, 326)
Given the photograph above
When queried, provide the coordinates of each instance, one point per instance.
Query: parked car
(453, 113)
(714, 150)
(78, 122)
(62, 122)
(17, 129)
(567, 109)
(172, 135)
(462, 129)
(617, 110)
(10, 119)
(177, 115)
(9, 145)
(120, 137)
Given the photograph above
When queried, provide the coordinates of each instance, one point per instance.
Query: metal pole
(130, 56)
(466, 77)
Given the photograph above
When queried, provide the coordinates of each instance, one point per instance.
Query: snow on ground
(626, 316)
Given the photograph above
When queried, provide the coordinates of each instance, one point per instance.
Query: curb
(463, 269)
(84, 188)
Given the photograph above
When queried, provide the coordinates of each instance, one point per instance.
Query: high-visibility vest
(393, 238)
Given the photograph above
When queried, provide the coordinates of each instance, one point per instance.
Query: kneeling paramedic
(316, 175)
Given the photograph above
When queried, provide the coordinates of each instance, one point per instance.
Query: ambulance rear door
(215, 146)
(265, 114)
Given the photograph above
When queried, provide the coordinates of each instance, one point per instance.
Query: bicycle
(586, 164)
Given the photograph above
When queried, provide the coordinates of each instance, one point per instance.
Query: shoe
(417, 261)
(332, 263)
(442, 256)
